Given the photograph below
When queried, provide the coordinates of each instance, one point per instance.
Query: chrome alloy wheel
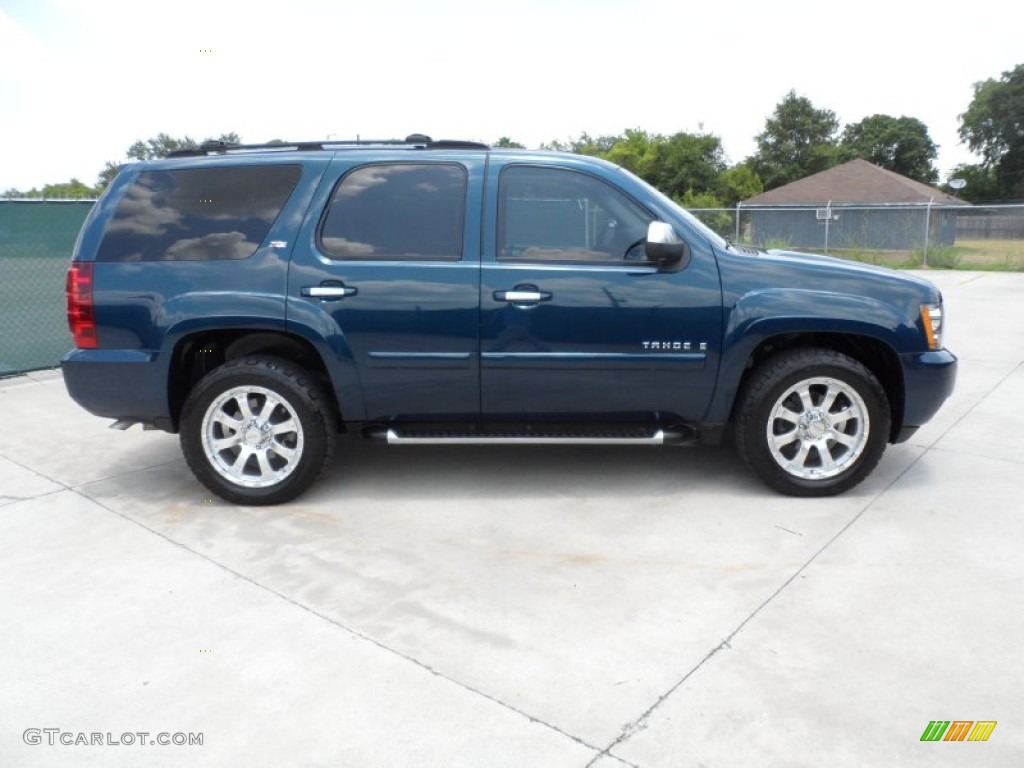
(818, 428)
(252, 437)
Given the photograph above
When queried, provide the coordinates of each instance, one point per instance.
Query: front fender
(764, 314)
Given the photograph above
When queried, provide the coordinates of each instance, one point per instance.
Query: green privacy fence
(36, 238)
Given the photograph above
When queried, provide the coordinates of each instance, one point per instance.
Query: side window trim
(459, 256)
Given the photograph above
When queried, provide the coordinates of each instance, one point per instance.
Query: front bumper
(928, 379)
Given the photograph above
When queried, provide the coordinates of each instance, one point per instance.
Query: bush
(938, 257)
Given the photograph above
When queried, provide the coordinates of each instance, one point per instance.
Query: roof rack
(415, 140)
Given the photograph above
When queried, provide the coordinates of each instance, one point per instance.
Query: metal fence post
(927, 226)
(828, 220)
(737, 239)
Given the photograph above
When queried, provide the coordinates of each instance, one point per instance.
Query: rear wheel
(257, 430)
(812, 422)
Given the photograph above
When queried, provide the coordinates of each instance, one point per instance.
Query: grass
(992, 254)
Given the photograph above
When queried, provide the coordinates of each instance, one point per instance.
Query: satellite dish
(957, 184)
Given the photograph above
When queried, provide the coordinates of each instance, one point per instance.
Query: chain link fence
(944, 236)
(36, 239)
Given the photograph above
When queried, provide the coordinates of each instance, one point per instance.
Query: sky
(81, 80)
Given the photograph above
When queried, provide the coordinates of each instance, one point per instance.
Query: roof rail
(416, 140)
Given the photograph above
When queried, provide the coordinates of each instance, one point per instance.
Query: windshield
(692, 220)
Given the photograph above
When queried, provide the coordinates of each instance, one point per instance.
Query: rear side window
(397, 211)
(197, 214)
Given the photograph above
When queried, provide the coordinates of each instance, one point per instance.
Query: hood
(745, 270)
(817, 261)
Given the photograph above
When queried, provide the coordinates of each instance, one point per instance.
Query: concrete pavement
(561, 607)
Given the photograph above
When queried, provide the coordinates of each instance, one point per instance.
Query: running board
(657, 437)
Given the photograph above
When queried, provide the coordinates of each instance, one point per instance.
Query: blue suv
(260, 299)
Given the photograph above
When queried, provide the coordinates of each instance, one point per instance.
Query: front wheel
(257, 430)
(812, 422)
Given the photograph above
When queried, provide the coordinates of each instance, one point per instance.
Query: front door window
(557, 215)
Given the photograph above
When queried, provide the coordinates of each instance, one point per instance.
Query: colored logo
(958, 730)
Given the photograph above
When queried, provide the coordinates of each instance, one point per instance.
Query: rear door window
(397, 212)
(197, 214)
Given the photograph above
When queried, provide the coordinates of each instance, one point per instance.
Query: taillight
(81, 318)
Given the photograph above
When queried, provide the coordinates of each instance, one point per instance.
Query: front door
(576, 324)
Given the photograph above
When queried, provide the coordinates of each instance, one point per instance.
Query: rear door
(390, 269)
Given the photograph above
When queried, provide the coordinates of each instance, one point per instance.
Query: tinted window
(550, 214)
(397, 211)
(197, 213)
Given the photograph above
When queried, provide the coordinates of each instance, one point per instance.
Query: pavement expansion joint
(640, 723)
(347, 629)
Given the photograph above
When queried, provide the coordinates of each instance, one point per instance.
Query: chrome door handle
(329, 291)
(518, 297)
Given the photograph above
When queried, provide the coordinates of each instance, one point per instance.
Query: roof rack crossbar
(417, 140)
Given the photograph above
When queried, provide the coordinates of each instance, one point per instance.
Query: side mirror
(664, 246)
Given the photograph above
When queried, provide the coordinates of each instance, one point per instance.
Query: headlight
(932, 317)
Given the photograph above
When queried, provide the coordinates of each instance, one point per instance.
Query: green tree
(678, 164)
(73, 189)
(556, 145)
(982, 184)
(900, 144)
(68, 190)
(739, 183)
(584, 145)
(635, 151)
(506, 143)
(162, 145)
(685, 166)
(158, 146)
(993, 127)
(798, 140)
(107, 175)
(700, 200)
(686, 163)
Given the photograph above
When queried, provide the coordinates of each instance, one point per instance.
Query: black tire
(821, 443)
(286, 444)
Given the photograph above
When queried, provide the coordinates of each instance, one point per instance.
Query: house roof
(855, 182)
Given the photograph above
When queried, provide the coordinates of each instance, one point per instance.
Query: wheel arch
(200, 352)
(871, 352)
